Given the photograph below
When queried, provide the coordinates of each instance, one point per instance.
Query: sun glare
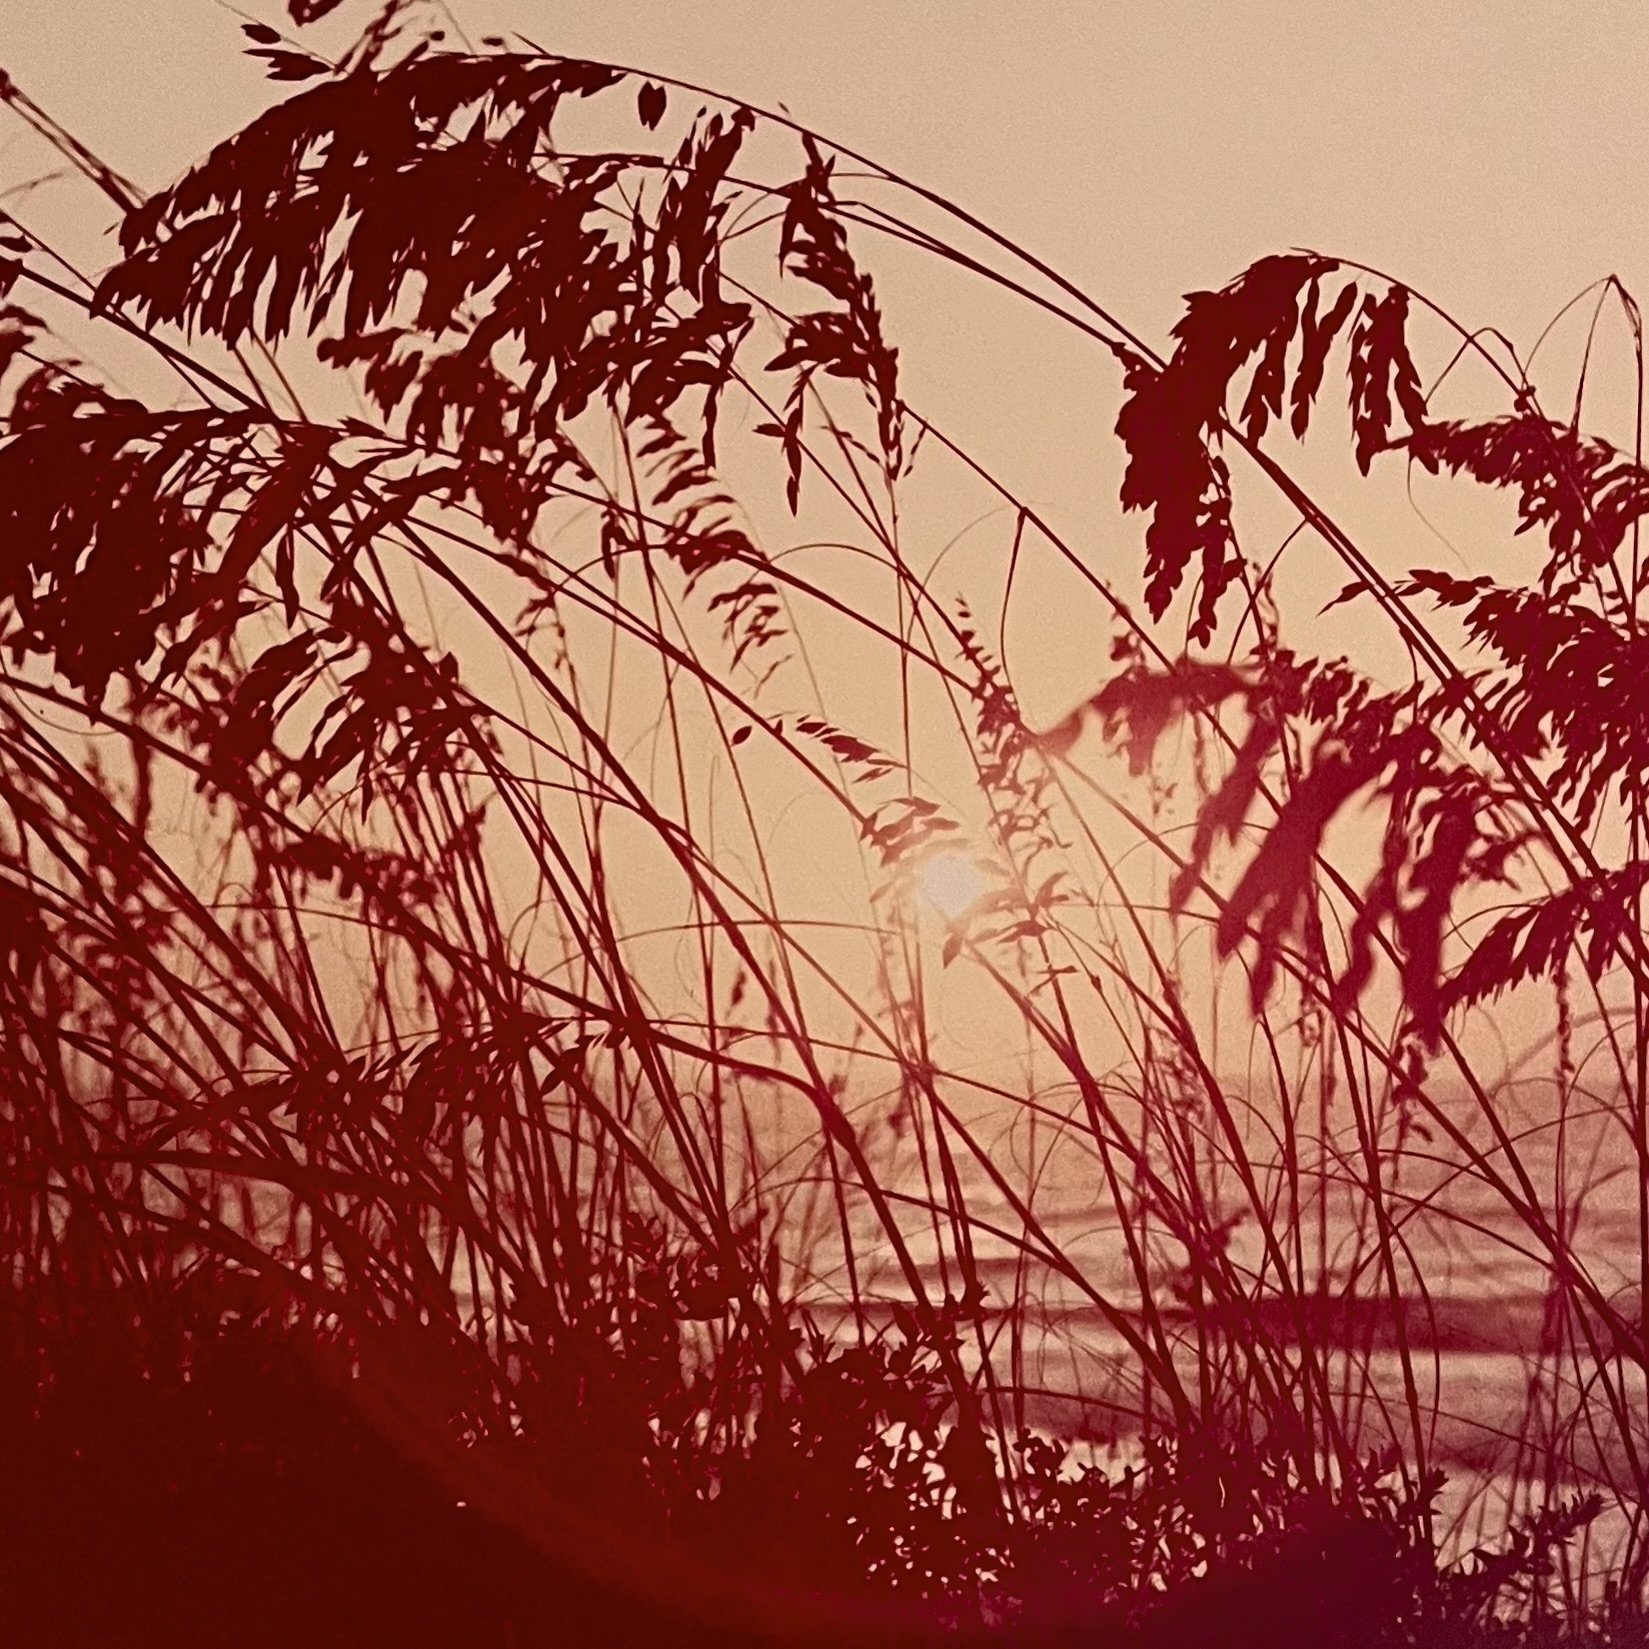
(952, 883)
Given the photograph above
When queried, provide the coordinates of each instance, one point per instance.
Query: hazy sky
(1492, 154)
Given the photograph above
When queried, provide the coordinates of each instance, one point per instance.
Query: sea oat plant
(517, 516)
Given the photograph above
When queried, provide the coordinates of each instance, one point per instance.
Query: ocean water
(1516, 1405)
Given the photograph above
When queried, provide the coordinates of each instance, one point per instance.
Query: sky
(1491, 155)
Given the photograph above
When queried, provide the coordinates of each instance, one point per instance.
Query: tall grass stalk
(408, 939)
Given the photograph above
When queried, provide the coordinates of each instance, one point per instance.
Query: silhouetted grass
(470, 1180)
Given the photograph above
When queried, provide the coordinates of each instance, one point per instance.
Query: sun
(953, 883)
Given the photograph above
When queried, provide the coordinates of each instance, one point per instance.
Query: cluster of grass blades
(503, 814)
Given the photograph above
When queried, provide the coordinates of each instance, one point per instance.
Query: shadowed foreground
(274, 1497)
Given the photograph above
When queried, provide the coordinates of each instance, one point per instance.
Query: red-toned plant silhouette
(358, 768)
